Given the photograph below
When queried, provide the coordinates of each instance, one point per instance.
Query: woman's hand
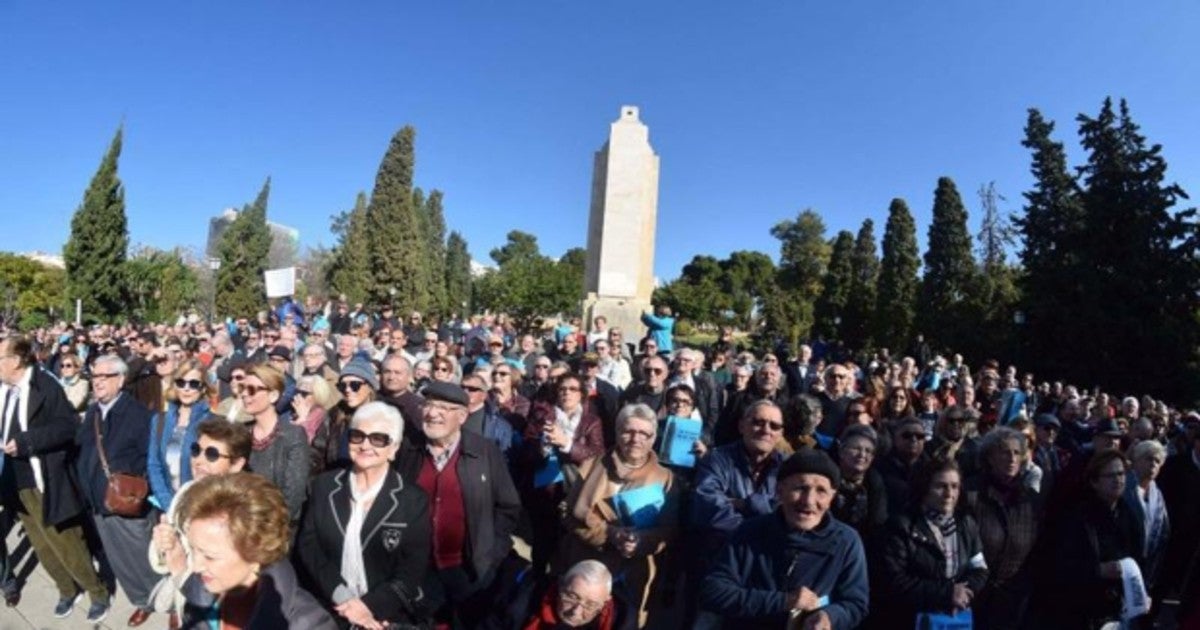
(556, 436)
(962, 596)
(164, 537)
(301, 405)
(357, 613)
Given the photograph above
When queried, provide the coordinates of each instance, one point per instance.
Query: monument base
(622, 313)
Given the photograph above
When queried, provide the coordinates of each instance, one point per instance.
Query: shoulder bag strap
(100, 442)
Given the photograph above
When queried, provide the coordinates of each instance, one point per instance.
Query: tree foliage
(527, 284)
(396, 235)
(161, 285)
(349, 270)
(803, 255)
(857, 321)
(942, 314)
(434, 221)
(96, 250)
(897, 287)
(835, 292)
(458, 274)
(244, 250)
(31, 294)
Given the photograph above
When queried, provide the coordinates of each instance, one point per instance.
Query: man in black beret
(797, 562)
(473, 505)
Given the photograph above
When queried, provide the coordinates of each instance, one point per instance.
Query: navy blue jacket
(126, 435)
(766, 560)
(724, 475)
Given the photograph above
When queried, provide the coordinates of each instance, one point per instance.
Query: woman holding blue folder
(624, 510)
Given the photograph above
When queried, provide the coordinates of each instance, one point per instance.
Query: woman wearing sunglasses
(280, 450)
(74, 385)
(358, 385)
(172, 432)
(364, 561)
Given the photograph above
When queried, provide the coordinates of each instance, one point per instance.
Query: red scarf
(547, 615)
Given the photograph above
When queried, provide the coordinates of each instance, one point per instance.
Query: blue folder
(679, 434)
(639, 507)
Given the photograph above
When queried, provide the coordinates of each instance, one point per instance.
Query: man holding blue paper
(797, 562)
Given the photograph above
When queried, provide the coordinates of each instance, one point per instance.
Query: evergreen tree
(835, 292)
(458, 274)
(949, 267)
(95, 252)
(803, 255)
(244, 248)
(350, 268)
(1053, 232)
(396, 237)
(860, 304)
(992, 296)
(435, 236)
(748, 283)
(897, 289)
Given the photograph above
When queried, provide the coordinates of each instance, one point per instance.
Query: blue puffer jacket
(766, 560)
(162, 491)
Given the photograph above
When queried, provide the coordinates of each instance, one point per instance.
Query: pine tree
(992, 296)
(350, 269)
(1053, 233)
(857, 322)
(95, 253)
(458, 275)
(949, 267)
(897, 288)
(835, 292)
(435, 238)
(395, 233)
(803, 255)
(244, 249)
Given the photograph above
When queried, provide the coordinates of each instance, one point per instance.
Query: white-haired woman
(1146, 500)
(365, 563)
(597, 529)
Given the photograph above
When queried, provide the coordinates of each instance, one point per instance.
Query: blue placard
(550, 473)
(639, 507)
(962, 620)
(679, 434)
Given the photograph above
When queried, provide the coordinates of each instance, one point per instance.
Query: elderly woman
(237, 529)
(280, 450)
(358, 386)
(1007, 511)
(367, 562)
(219, 448)
(173, 432)
(506, 383)
(74, 385)
(443, 369)
(596, 525)
(861, 500)
(312, 402)
(932, 559)
(1145, 500)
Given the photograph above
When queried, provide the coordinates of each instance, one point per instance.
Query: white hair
(1148, 447)
(117, 363)
(590, 571)
(380, 411)
(637, 411)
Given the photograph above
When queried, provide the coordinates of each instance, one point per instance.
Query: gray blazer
(286, 463)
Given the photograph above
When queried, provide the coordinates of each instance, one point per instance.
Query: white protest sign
(280, 282)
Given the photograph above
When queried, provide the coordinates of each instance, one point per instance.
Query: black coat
(489, 497)
(1179, 481)
(280, 603)
(49, 435)
(126, 435)
(605, 405)
(911, 574)
(395, 539)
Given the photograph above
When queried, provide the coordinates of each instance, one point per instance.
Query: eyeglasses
(69, 365)
(303, 393)
(763, 423)
(474, 389)
(378, 440)
(253, 390)
(860, 451)
(499, 374)
(655, 370)
(238, 377)
(441, 369)
(96, 375)
(633, 434)
(680, 401)
(351, 386)
(191, 383)
(575, 601)
(441, 407)
(211, 453)
(541, 367)
(908, 435)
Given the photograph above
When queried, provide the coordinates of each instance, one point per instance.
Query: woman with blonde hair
(172, 432)
(280, 449)
(312, 402)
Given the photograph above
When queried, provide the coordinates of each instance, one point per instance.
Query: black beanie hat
(808, 461)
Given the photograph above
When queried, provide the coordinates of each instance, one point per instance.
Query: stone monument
(619, 274)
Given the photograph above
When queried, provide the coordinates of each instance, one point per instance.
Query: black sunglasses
(303, 393)
(190, 383)
(353, 386)
(378, 440)
(211, 453)
(472, 388)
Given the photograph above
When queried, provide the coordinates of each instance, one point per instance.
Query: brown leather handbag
(125, 494)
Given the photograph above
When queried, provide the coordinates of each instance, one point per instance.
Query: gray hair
(1148, 447)
(379, 410)
(753, 408)
(636, 411)
(117, 363)
(590, 571)
(994, 439)
(396, 356)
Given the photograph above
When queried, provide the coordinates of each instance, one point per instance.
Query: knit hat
(862, 431)
(808, 461)
(360, 368)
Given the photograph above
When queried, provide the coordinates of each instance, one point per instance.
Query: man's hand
(803, 600)
(817, 621)
(10, 448)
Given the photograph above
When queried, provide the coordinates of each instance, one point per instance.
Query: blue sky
(757, 109)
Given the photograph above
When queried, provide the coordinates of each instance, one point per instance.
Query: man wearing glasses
(897, 468)
(835, 400)
(38, 427)
(582, 598)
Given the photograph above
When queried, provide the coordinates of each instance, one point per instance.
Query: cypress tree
(458, 274)
(395, 233)
(244, 249)
(96, 250)
(860, 302)
(949, 267)
(435, 237)
(897, 290)
(350, 268)
(803, 255)
(992, 297)
(835, 291)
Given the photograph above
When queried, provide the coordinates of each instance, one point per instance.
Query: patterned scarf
(947, 527)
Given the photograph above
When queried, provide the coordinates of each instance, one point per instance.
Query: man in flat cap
(473, 505)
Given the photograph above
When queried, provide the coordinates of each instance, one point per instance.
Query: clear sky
(757, 109)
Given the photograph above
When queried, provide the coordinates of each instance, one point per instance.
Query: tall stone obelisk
(619, 275)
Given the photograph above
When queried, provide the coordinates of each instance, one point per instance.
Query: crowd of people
(334, 468)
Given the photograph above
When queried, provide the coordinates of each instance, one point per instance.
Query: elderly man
(38, 428)
(347, 346)
(797, 562)
(316, 363)
(474, 505)
(118, 427)
(395, 389)
(601, 397)
(483, 416)
(582, 598)
(835, 400)
(689, 365)
(398, 345)
(766, 386)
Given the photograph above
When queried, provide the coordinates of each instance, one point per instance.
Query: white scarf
(354, 574)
